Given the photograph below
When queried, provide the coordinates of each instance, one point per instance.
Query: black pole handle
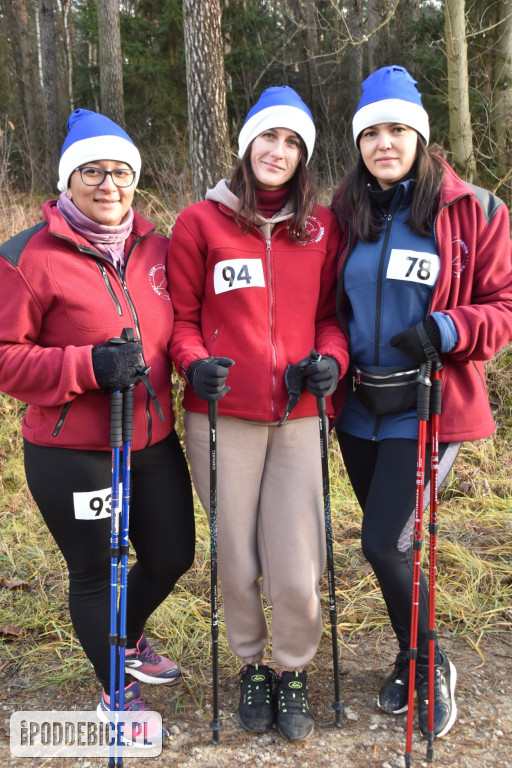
(424, 387)
(128, 416)
(435, 395)
(116, 419)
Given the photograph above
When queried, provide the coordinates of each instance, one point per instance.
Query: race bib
(232, 274)
(413, 266)
(94, 505)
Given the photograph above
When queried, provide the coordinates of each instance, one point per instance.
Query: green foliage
(252, 41)
(86, 87)
(154, 73)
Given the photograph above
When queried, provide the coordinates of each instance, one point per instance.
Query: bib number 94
(234, 274)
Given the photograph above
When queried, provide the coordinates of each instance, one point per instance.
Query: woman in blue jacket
(426, 272)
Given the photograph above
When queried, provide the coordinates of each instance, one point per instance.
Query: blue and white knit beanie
(390, 95)
(92, 136)
(278, 107)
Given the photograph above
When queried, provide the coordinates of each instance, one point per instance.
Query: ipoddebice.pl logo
(81, 734)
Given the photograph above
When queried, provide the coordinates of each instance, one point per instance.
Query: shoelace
(292, 700)
(258, 692)
(148, 654)
(136, 704)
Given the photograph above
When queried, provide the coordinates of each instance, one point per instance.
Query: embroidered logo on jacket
(158, 280)
(460, 256)
(315, 231)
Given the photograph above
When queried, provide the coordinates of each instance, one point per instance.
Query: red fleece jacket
(264, 303)
(59, 298)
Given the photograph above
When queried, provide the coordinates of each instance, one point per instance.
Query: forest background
(181, 77)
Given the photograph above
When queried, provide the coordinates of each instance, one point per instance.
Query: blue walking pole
(127, 434)
(116, 416)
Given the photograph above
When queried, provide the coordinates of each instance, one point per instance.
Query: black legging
(383, 476)
(162, 533)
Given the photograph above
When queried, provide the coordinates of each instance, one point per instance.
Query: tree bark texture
(52, 134)
(206, 95)
(25, 60)
(461, 134)
(502, 111)
(110, 60)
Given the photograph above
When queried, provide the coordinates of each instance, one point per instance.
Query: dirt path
(481, 738)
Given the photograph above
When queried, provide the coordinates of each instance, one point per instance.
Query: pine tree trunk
(206, 94)
(503, 103)
(29, 89)
(110, 60)
(461, 135)
(52, 133)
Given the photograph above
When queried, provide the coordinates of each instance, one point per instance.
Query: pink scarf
(109, 241)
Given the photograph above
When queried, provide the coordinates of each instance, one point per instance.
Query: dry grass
(37, 642)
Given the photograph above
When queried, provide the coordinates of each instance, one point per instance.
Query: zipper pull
(356, 379)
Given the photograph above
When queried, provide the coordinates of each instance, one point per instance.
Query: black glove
(294, 379)
(420, 342)
(322, 376)
(208, 377)
(117, 366)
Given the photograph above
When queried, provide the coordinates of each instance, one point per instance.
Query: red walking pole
(423, 412)
(435, 411)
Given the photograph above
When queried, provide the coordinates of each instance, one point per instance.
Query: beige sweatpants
(270, 524)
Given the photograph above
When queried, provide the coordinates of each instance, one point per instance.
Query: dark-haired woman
(253, 271)
(426, 273)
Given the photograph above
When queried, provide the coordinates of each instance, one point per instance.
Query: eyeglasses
(93, 177)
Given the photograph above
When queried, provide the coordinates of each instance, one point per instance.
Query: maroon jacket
(58, 298)
(474, 287)
(263, 301)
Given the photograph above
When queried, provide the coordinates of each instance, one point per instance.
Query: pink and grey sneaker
(149, 667)
(146, 728)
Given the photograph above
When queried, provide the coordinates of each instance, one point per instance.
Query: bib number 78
(413, 266)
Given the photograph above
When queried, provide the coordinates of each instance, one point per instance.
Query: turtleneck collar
(270, 201)
(383, 198)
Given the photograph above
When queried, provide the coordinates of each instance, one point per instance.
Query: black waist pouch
(385, 390)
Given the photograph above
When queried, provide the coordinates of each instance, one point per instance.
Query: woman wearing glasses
(67, 286)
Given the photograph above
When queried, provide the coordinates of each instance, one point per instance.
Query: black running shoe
(445, 708)
(294, 717)
(256, 709)
(394, 692)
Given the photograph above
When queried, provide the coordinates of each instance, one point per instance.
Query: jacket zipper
(109, 288)
(138, 334)
(63, 413)
(272, 345)
(385, 242)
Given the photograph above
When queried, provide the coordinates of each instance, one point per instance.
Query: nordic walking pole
(324, 454)
(212, 421)
(127, 434)
(116, 416)
(423, 413)
(435, 412)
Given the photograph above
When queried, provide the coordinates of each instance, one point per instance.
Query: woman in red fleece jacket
(252, 278)
(93, 267)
